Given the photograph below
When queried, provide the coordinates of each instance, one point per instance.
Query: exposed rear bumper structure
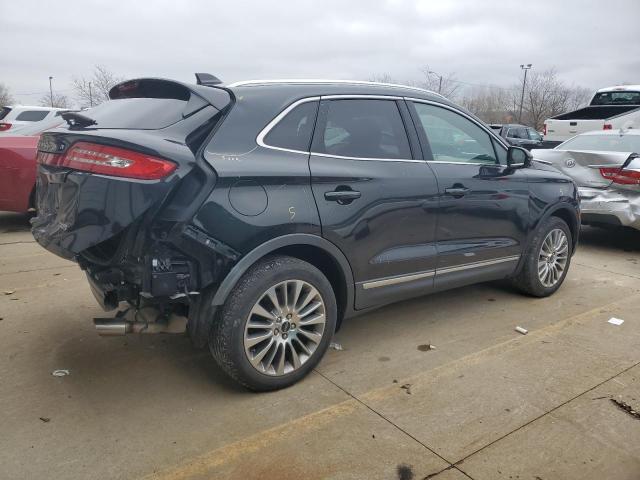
(616, 207)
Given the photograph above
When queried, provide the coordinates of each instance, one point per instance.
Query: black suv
(267, 212)
(519, 135)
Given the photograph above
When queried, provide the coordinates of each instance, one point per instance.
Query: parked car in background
(12, 117)
(18, 150)
(606, 167)
(520, 135)
(611, 108)
(269, 211)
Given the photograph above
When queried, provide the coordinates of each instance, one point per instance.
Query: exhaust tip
(106, 327)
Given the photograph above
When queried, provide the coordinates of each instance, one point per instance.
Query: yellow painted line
(203, 464)
(234, 451)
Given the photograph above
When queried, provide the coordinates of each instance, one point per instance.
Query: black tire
(226, 340)
(528, 280)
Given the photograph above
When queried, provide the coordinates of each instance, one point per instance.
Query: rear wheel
(276, 324)
(546, 260)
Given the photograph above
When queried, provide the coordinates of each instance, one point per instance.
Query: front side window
(32, 115)
(294, 131)
(454, 138)
(534, 135)
(364, 128)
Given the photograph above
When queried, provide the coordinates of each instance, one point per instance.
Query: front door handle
(343, 197)
(456, 191)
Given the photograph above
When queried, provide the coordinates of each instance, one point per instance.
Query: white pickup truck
(611, 108)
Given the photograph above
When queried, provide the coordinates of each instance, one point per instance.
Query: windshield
(603, 143)
(616, 98)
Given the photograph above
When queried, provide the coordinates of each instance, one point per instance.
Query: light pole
(439, 81)
(51, 91)
(524, 82)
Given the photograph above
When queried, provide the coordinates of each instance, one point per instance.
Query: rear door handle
(456, 192)
(342, 196)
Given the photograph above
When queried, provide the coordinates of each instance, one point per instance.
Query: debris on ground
(426, 347)
(627, 408)
(615, 321)
(9, 292)
(491, 299)
(407, 388)
(60, 373)
(521, 330)
(395, 381)
(336, 346)
(45, 419)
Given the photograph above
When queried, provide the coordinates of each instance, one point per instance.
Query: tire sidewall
(248, 291)
(549, 224)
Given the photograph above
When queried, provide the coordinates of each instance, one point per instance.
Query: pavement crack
(547, 413)
(608, 271)
(37, 270)
(373, 410)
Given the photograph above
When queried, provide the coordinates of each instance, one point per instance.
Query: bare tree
(446, 85)
(94, 90)
(5, 95)
(382, 78)
(491, 104)
(59, 101)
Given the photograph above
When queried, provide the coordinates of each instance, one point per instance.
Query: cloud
(590, 43)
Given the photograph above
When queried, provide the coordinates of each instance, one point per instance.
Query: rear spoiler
(209, 89)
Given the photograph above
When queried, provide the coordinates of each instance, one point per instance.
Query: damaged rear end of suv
(116, 191)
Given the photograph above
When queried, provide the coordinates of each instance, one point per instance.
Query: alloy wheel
(553, 256)
(284, 328)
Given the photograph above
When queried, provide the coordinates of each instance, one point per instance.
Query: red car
(18, 167)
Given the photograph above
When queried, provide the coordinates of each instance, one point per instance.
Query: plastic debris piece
(336, 346)
(426, 347)
(60, 373)
(521, 330)
(45, 419)
(9, 292)
(615, 321)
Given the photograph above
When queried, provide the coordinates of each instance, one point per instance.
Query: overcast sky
(590, 43)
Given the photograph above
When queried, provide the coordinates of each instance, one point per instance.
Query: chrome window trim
(397, 279)
(265, 131)
(483, 263)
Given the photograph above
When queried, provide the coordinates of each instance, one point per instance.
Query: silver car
(606, 167)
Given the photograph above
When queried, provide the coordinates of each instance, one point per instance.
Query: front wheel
(546, 260)
(276, 324)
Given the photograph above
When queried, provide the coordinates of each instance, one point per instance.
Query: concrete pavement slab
(469, 403)
(588, 438)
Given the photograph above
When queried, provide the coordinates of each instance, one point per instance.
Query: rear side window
(518, 132)
(364, 129)
(4, 111)
(32, 115)
(454, 138)
(294, 131)
(533, 134)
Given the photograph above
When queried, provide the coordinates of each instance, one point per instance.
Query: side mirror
(518, 157)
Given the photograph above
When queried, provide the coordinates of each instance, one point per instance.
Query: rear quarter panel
(17, 172)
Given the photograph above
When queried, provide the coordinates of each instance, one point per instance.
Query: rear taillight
(107, 160)
(621, 176)
(4, 126)
(544, 129)
(607, 126)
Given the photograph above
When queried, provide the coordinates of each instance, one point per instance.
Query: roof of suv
(340, 87)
